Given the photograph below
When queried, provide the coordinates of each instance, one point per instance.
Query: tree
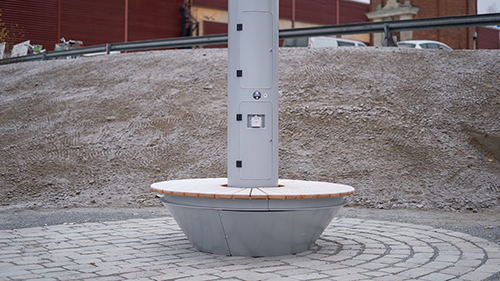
(492, 8)
(10, 34)
(3, 29)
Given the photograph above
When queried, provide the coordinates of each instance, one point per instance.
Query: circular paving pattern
(156, 249)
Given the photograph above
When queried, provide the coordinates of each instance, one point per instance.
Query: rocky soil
(413, 129)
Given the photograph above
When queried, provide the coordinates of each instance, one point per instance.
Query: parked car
(322, 41)
(423, 44)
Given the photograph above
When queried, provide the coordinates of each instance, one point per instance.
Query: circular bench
(263, 221)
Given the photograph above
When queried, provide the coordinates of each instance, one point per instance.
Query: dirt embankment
(406, 128)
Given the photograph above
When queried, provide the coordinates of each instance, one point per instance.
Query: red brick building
(488, 38)
(94, 22)
(457, 38)
(212, 14)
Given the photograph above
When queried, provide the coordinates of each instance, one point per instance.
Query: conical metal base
(252, 227)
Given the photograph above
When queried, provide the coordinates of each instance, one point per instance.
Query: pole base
(238, 225)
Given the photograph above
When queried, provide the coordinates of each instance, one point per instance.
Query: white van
(322, 41)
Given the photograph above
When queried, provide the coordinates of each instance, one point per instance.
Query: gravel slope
(414, 129)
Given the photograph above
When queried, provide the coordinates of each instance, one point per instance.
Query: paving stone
(372, 266)
(156, 249)
(46, 270)
(77, 276)
(26, 276)
(140, 274)
(309, 276)
(438, 277)
(439, 264)
(249, 275)
(393, 269)
(60, 274)
(344, 271)
(388, 260)
(375, 251)
(417, 272)
(350, 262)
(295, 271)
(41, 279)
(83, 268)
(400, 252)
(356, 277)
(114, 270)
(448, 258)
(57, 264)
(108, 278)
(456, 270)
(475, 275)
(376, 273)
(199, 278)
(366, 257)
(390, 278)
(275, 269)
(491, 265)
(417, 261)
(171, 276)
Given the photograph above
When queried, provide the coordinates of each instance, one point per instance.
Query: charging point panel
(256, 141)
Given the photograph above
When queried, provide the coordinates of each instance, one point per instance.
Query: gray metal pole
(253, 93)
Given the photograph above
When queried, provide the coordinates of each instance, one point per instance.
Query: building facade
(212, 14)
(456, 38)
(45, 22)
(94, 22)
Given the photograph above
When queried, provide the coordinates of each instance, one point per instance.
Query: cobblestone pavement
(156, 249)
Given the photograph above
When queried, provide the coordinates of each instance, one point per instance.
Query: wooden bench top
(217, 188)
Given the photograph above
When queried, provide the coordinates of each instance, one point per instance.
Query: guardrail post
(386, 35)
(388, 42)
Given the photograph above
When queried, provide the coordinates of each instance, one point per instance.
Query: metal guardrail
(394, 26)
(126, 46)
(356, 28)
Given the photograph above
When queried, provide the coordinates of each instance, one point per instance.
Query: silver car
(322, 41)
(423, 44)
